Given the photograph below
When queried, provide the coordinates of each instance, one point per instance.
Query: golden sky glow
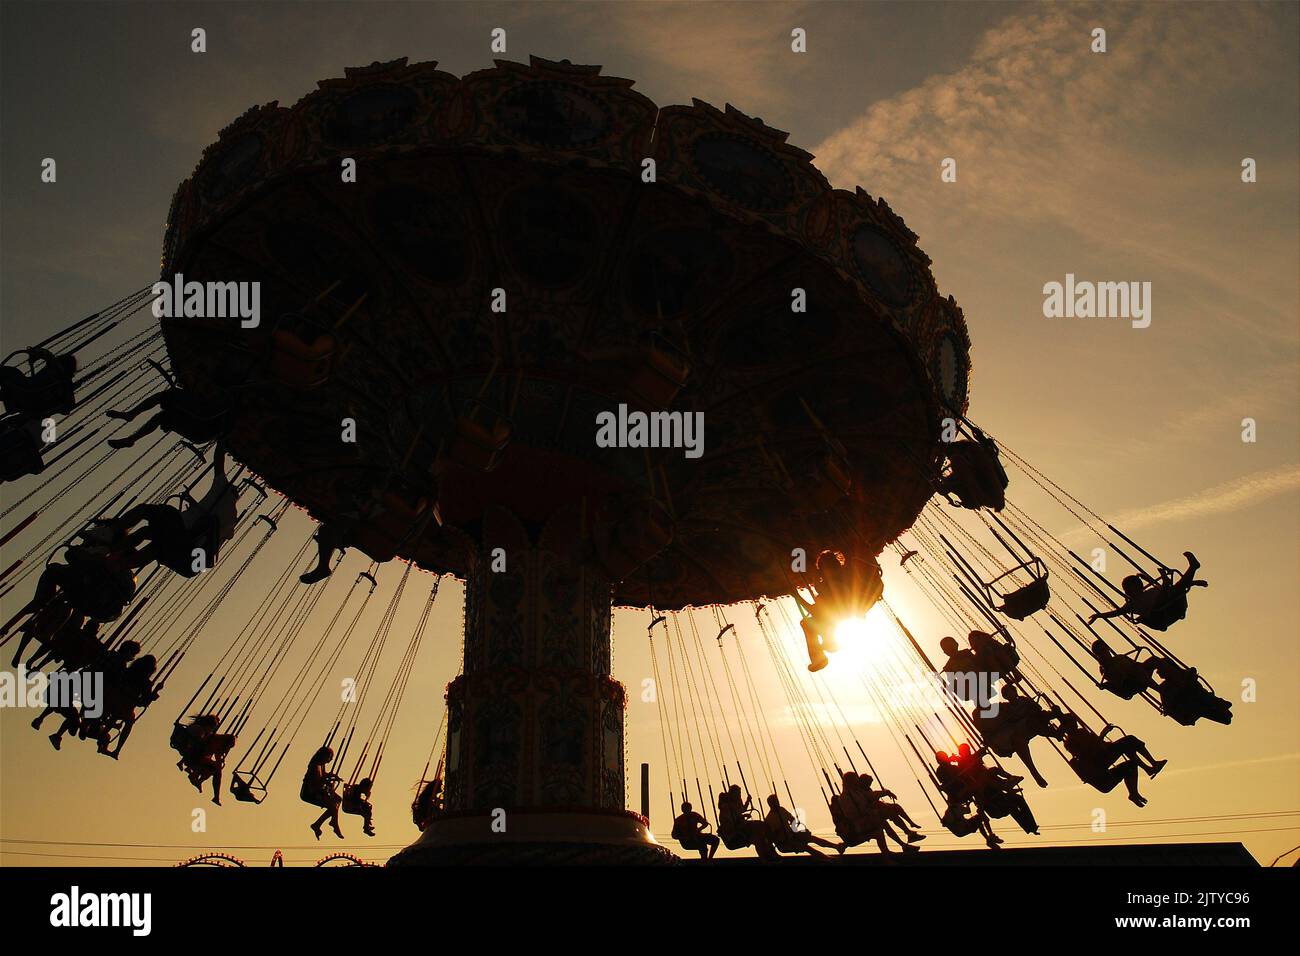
(1122, 167)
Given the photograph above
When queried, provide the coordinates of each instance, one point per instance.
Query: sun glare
(862, 641)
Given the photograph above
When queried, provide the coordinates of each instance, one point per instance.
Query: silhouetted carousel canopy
(530, 179)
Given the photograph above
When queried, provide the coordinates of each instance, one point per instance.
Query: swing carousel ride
(518, 252)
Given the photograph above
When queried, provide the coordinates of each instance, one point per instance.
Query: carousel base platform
(541, 838)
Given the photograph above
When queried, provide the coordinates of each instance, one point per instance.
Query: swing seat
(246, 788)
(990, 473)
(1110, 729)
(354, 807)
(382, 537)
(71, 647)
(219, 746)
(39, 397)
(376, 546)
(958, 824)
(1180, 711)
(735, 840)
(691, 842)
(44, 626)
(1164, 615)
(994, 655)
(843, 828)
(1124, 678)
(861, 823)
(104, 596)
(1085, 771)
(20, 454)
(1001, 736)
(49, 391)
(1187, 705)
(791, 845)
(298, 363)
(204, 536)
(323, 798)
(659, 374)
(477, 445)
(1125, 689)
(181, 740)
(973, 496)
(976, 478)
(1030, 599)
(851, 837)
(197, 428)
(999, 807)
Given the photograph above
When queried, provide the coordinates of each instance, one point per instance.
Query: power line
(1167, 821)
(1165, 836)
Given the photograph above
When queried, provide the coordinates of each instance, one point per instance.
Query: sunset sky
(1123, 166)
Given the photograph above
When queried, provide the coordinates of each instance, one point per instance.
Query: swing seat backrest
(102, 594)
(20, 454)
(45, 393)
(247, 788)
(298, 363)
(734, 839)
(206, 534)
(1027, 600)
(999, 804)
(658, 374)
(996, 472)
(180, 558)
(477, 445)
(1110, 729)
(957, 823)
(198, 430)
(1165, 614)
(977, 477)
(395, 523)
(1087, 771)
(187, 404)
(314, 793)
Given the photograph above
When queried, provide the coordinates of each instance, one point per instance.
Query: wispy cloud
(1229, 764)
(1228, 496)
(1105, 147)
(738, 53)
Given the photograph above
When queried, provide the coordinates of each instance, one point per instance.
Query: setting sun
(862, 641)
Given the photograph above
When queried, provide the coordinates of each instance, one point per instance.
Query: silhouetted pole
(645, 790)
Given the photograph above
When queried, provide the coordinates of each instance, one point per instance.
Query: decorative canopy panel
(533, 180)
